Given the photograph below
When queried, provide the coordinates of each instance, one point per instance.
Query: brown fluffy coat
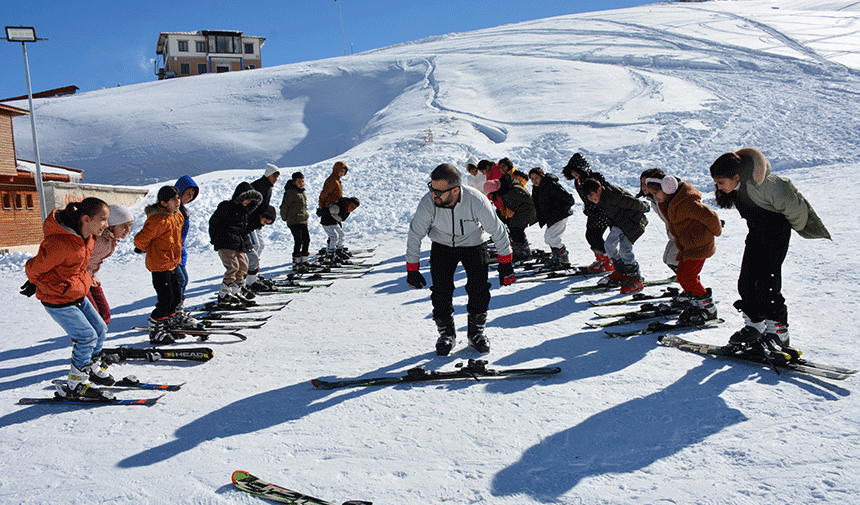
(692, 224)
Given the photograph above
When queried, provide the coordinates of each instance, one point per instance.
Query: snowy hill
(626, 422)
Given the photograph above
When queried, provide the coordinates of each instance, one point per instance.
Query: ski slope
(671, 85)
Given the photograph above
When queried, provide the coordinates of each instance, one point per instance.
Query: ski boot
(98, 372)
(699, 310)
(79, 387)
(602, 264)
(747, 338)
(475, 332)
(158, 334)
(447, 335)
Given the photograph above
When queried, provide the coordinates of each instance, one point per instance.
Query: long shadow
(279, 406)
(637, 433)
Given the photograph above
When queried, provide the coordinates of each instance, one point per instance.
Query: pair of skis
(254, 485)
(776, 361)
(130, 382)
(473, 369)
(600, 288)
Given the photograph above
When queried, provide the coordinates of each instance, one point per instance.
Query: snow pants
(443, 263)
(760, 280)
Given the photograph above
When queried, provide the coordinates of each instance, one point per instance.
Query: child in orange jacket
(58, 276)
(161, 240)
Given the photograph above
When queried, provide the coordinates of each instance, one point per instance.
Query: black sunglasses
(439, 192)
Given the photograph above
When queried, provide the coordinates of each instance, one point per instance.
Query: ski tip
(241, 475)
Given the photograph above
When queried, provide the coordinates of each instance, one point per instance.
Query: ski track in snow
(626, 422)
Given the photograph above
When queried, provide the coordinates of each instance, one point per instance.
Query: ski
(220, 316)
(203, 334)
(544, 274)
(131, 382)
(317, 276)
(256, 307)
(634, 318)
(670, 292)
(254, 485)
(598, 288)
(754, 357)
(474, 369)
(275, 290)
(59, 400)
(659, 327)
(669, 309)
(157, 354)
(295, 284)
(225, 325)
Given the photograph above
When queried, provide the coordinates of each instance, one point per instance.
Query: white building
(203, 52)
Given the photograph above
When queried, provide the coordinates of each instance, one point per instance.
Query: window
(7, 201)
(221, 69)
(18, 203)
(201, 46)
(249, 48)
(225, 44)
(250, 67)
(185, 68)
(202, 68)
(29, 201)
(183, 46)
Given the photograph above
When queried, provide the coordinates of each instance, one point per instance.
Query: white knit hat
(119, 214)
(272, 169)
(669, 184)
(472, 161)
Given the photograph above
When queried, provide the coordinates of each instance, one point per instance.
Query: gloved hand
(139, 251)
(415, 279)
(28, 289)
(506, 271)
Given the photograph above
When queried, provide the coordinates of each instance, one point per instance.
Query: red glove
(506, 270)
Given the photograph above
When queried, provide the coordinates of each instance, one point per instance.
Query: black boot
(447, 335)
(475, 332)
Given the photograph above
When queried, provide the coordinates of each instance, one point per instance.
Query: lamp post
(24, 34)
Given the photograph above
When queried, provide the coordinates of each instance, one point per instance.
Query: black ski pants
(443, 263)
(760, 280)
(301, 238)
(168, 293)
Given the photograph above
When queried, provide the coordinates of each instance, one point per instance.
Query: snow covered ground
(669, 85)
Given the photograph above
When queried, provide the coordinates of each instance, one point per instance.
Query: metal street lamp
(24, 34)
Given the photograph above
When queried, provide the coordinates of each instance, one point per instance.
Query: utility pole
(342, 35)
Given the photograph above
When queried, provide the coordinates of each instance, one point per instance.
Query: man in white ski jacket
(457, 219)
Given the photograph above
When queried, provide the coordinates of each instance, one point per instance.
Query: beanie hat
(167, 193)
(269, 214)
(119, 214)
(271, 169)
(578, 163)
(668, 184)
(492, 185)
(472, 161)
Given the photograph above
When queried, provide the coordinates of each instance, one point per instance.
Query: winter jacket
(334, 213)
(624, 211)
(161, 238)
(518, 201)
(104, 245)
(552, 202)
(332, 190)
(182, 184)
(778, 194)
(59, 269)
(228, 224)
(692, 224)
(264, 186)
(465, 225)
(294, 206)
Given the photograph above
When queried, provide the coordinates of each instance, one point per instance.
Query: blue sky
(102, 43)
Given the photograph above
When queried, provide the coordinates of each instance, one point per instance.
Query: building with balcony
(203, 52)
